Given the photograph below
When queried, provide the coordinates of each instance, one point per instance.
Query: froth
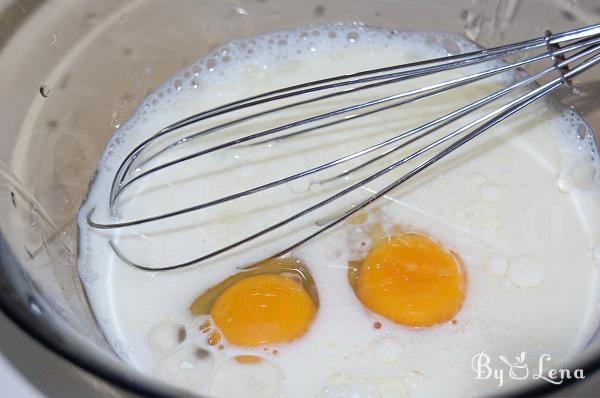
(581, 165)
(264, 51)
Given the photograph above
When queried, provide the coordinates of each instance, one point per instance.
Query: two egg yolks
(412, 280)
(263, 309)
(408, 278)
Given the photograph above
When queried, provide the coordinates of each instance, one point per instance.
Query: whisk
(566, 55)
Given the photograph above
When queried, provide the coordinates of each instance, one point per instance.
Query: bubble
(211, 63)
(431, 39)
(582, 131)
(451, 46)
(564, 184)
(185, 368)
(352, 36)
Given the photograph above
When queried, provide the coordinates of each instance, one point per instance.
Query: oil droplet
(248, 359)
(235, 379)
(214, 338)
(205, 326)
(185, 368)
(359, 217)
(525, 272)
(186, 365)
(490, 192)
(496, 265)
(392, 389)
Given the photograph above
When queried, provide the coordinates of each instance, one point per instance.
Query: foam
(228, 60)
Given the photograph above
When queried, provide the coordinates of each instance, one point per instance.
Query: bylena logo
(519, 369)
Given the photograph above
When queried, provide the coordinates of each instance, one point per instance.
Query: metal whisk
(566, 55)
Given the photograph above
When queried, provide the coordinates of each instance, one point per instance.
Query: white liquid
(518, 204)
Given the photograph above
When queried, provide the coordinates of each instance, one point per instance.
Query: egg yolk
(412, 280)
(263, 309)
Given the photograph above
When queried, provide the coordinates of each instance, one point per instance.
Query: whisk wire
(586, 40)
(552, 53)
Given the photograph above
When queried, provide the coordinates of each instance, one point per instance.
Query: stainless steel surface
(73, 70)
(29, 370)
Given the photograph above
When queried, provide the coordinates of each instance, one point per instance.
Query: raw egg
(272, 302)
(411, 279)
(263, 309)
